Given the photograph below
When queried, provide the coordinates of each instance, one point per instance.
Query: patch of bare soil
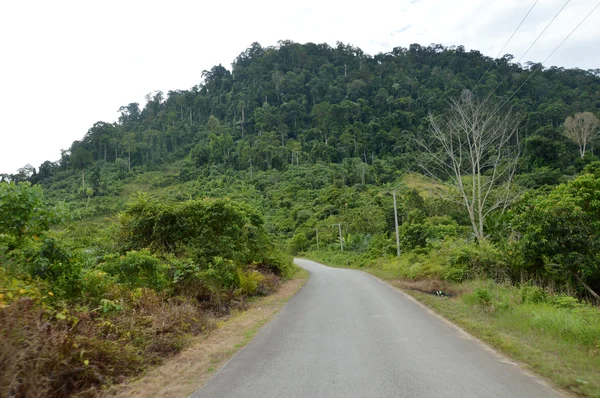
(429, 286)
(185, 373)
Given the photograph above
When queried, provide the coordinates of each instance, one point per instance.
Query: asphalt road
(347, 334)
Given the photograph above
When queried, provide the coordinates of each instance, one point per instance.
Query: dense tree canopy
(315, 135)
(315, 102)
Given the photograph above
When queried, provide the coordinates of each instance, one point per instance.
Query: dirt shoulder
(187, 372)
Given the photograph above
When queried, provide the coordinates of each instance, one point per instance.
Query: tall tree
(582, 129)
(129, 145)
(474, 150)
(81, 159)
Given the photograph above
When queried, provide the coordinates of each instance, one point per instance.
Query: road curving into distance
(348, 334)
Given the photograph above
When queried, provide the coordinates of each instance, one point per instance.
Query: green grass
(422, 184)
(561, 344)
(299, 273)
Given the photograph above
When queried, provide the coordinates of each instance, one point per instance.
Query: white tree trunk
(474, 152)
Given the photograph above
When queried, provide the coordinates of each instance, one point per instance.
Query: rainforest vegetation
(194, 201)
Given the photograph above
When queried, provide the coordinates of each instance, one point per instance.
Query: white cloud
(67, 64)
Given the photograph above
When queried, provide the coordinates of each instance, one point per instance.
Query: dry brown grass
(428, 286)
(42, 355)
(185, 373)
(60, 352)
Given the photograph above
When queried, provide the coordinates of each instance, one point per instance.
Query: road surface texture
(347, 334)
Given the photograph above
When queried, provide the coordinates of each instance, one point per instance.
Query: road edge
(522, 366)
(190, 370)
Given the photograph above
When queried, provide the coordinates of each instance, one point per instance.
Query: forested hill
(189, 206)
(310, 102)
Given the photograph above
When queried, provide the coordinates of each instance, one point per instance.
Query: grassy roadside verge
(188, 371)
(553, 336)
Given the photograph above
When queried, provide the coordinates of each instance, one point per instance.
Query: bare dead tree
(582, 129)
(474, 150)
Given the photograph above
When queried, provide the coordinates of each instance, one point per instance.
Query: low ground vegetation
(75, 317)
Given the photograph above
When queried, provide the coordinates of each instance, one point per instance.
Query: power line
(525, 53)
(505, 44)
(548, 57)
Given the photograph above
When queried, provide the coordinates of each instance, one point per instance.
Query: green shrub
(249, 281)
(413, 235)
(472, 260)
(533, 294)
(137, 269)
(381, 245)
(13, 289)
(96, 285)
(564, 301)
(221, 275)
(22, 211)
(443, 227)
(559, 231)
(298, 243)
(203, 228)
(52, 263)
(500, 305)
(455, 274)
(484, 297)
(277, 262)
(184, 271)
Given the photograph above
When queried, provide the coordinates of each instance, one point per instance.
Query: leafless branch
(474, 150)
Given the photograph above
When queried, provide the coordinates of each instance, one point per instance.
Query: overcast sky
(66, 64)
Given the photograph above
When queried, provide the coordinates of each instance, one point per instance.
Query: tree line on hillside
(350, 123)
(310, 102)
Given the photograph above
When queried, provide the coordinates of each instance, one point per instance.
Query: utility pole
(339, 225)
(396, 222)
(317, 229)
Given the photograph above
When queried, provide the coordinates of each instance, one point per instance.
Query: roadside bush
(96, 285)
(490, 299)
(13, 289)
(136, 269)
(467, 261)
(443, 227)
(564, 301)
(185, 274)
(484, 297)
(559, 232)
(203, 229)
(249, 281)
(22, 211)
(413, 236)
(381, 245)
(455, 273)
(58, 358)
(52, 263)
(277, 262)
(221, 275)
(533, 294)
(298, 243)
(44, 260)
(219, 238)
